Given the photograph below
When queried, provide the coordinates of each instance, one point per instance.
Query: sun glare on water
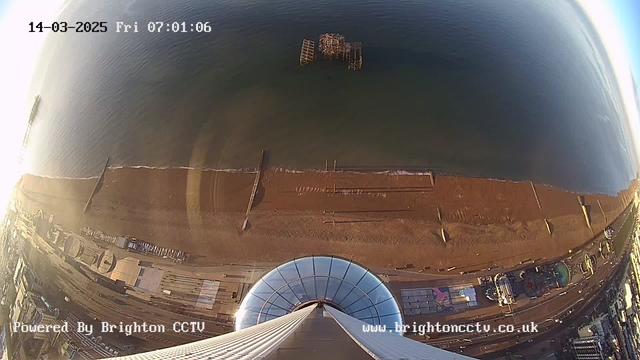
(20, 50)
(605, 22)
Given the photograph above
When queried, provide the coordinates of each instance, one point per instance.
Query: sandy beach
(378, 219)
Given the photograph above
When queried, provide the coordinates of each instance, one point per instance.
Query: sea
(506, 89)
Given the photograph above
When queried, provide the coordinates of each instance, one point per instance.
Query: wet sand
(381, 219)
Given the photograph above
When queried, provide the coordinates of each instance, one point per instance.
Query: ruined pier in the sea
(307, 53)
(333, 46)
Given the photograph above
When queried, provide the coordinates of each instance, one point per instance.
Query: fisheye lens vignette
(436, 180)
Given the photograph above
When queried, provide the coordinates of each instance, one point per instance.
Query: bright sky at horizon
(3, 5)
(628, 14)
(614, 23)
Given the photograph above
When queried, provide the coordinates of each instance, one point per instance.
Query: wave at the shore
(242, 170)
(278, 169)
(390, 172)
(62, 177)
(302, 171)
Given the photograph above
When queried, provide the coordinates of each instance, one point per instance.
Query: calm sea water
(493, 88)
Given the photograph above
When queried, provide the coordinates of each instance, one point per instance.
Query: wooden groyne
(96, 188)
(256, 182)
(535, 193)
(254, 190)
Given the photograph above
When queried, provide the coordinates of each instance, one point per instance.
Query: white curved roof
(342, 283)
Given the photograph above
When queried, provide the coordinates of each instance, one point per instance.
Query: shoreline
(348, 170)
(379, 219)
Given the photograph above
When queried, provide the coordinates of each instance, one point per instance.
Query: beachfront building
(588, 348)
(327, 306)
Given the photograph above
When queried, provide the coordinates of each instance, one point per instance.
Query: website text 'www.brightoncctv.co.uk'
(429, 328)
